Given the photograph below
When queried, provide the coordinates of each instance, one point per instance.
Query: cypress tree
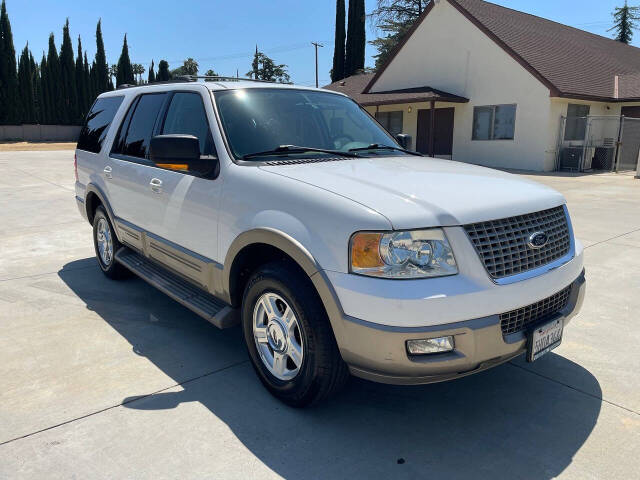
(125, 70)
(54, 83)
(163, 71)
(101, 68)
(86, 73)
(356, 38)
(9, 94)
(152, 75)
(25, 84)
(45, 101)
(337, 72)
(69, 92)
(37, 92)
(255, 64)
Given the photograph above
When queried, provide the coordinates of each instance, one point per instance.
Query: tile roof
(570, 62)
(354, 86)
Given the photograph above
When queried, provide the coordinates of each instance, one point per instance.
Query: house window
(494, 122)
(576, 126)
(391, 121)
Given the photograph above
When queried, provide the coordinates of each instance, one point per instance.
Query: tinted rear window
(97, 125)
(136, 141)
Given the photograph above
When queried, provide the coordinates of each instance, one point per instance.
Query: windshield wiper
(286, 149)
(377, 146)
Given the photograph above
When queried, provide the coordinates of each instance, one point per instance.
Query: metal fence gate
(598, 143)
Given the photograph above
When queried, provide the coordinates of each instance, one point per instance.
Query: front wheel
(289, 338)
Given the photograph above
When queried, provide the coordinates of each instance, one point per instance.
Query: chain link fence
(598, 143)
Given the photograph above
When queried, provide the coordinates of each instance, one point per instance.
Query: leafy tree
(188, 67)
(125, 70)
(138, 70)
(9, 95)
(163, 71)
(356, 38)
(113, 71)
(69, 93)
(394, 18)
(88, 80)
(25, 83)
(152, 75)
(54, 83)
(37, 95)
(83, 94)
(337, 72)
(264, 68)
(101, 76)
(625, 21)
(45, 101)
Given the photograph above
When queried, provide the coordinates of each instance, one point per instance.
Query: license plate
(544, 339)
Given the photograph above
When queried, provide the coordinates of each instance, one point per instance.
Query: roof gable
(570, 62)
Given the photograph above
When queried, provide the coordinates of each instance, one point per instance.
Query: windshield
(263, 119)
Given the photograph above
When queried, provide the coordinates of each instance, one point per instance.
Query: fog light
(425, 346)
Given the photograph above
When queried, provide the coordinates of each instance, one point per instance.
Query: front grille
(503, 244)
(521, 318)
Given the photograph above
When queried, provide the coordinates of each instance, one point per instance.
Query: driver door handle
(107, 171)
(156, 185)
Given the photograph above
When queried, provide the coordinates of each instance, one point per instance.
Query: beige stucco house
(485, 84)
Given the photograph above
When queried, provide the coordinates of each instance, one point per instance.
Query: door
(184, 206)
(131, 167)
(442, 132)
(630, 139)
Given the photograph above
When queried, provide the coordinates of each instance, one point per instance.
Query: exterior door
(630, 139)
(442, 132)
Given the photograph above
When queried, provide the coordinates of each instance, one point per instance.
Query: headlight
(404, 254)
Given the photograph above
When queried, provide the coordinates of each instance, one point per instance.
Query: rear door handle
(156, 185)
(107, 171)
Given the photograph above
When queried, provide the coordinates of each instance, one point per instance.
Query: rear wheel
(106, 245)
(289, 338)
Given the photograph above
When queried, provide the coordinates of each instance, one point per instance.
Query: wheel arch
(93, 198)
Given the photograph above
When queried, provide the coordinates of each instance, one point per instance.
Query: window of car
(391, 121)
(97, 124)
(186, 115)
(137, 128)
(494, 122)
(576, 126)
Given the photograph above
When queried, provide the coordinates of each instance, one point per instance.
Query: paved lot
(102, 379)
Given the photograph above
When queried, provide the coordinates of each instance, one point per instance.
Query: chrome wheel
(278, 336)
(104, 241)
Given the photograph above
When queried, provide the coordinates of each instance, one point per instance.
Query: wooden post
(432, 125)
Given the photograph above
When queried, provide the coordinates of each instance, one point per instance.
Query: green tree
(45, 101)
(69, 93)
(125, 70)
(37, 86)
(101, 76)
(394, 18)
(25, 83)
(152, 74)
(337, 72)
(81, 86)
(138, 70)
(163, 71)
(188, 67)
(9, 95)
(356, 38)
(625, 21)
(54, 83)
(264, 68)
(88, 80)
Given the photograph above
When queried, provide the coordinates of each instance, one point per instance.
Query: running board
(207, 306)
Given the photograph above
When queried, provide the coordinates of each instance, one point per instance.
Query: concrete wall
(450, 53)
(40, 133)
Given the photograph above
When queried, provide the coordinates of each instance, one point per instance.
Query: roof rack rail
(214, 78)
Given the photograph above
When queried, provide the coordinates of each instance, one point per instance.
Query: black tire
(323, 372)
(112, 269)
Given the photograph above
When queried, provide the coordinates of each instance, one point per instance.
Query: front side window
(135, 141)
(263, 119)
(391, 121)
(98, 121)
(494, 122)
(186, 115)
(576, 126)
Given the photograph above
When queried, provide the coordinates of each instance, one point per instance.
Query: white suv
(291, 211)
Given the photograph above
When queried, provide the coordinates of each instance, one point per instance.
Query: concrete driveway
(103, 379)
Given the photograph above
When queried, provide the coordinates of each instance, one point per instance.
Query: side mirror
(180, 153)
(404, 140)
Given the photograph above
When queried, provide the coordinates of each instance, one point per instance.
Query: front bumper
(377, 352)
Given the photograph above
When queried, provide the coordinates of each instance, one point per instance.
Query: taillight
(75, 165)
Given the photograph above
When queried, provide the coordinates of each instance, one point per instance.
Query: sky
(223, 34)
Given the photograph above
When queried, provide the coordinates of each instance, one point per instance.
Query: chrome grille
(521, 318)
(503, 244)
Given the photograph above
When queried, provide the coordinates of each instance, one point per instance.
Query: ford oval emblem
(538, 240)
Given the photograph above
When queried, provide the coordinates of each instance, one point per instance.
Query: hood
(415, 192)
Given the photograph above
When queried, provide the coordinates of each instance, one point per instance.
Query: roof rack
(195, 78)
